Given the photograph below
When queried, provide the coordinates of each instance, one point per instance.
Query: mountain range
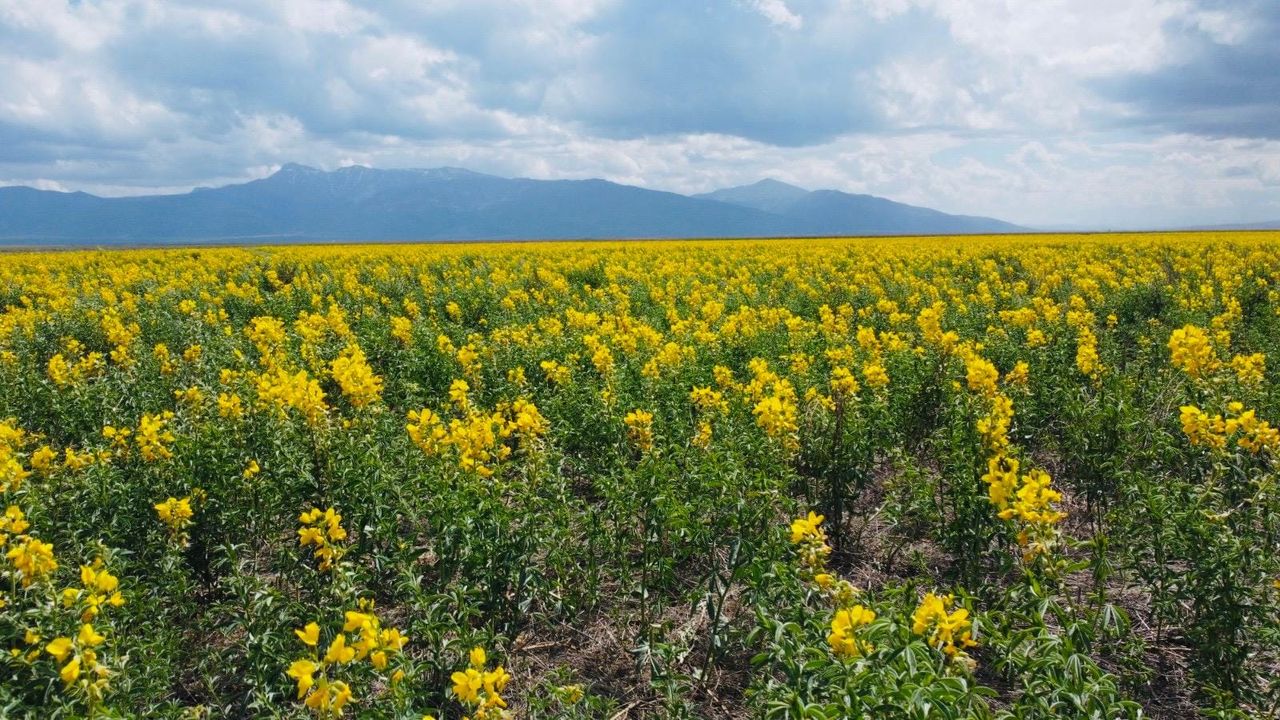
(300, 203)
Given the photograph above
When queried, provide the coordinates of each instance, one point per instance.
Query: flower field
(1002, 477)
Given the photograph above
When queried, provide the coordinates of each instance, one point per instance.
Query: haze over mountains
(300, 203)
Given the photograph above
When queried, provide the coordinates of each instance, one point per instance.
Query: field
(1001, 477)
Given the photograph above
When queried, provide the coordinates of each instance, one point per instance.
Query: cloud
(1124, 110)
(1220, 79)
(777, 12)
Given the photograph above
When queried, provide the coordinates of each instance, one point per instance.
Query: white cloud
(777, 13)
(38, 183)
(79, 27)
(975, 106)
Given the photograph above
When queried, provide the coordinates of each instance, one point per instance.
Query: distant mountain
(360, 203)
(769, 195)
(831, 212)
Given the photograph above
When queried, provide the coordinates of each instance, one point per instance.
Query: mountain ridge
(838, 212)
(358, 203)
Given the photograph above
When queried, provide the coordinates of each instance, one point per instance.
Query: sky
(1048, 113)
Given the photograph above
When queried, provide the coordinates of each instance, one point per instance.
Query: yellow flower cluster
(811, 546)
(707, 400)
(947, 630)
(402, 330)
(268, 335)
(118, 438)
(163, 359)
(12, 522)
(843, 384)
(993, 428)
(475, 439)
(481, 689)
(640, 429)
(318, 687)
(426, 430)
(707, 403)
(1087, 360)
(1019, 376)
(810, 541)
(12, 474)
(153, 436)
(32, 559)
(77, 656)
(1249, 368)
(82, 671)
(670, 357)
(323, 530)
(358, 382)
(1191, 351)
(176, 515)
(298, 391)
(1213, 431)
(522, 419)
(555, 372)
(982, 376)
(65, 374)
(776, 415)
(843, 639)
(475, 436)
(99, 587)
(1027, 498)
(875, 375)
(230, 406)
(929, 320)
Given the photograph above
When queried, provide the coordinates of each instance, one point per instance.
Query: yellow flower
(176, 514)
(640, 429)
(310, 635)
(807, 528)
(467, 685)
(341, 696)
(948, 631)
(981, 375)
(303, 671)
(323, 530)
(339, 652)
(59, 648)
(776, 415)
(1191, 351)
(71, 671)
(843, 383)
(496, 680)
(356, 379)
(1249, 368)
(13, 521)
(230, 406)
(87, 637)
(153, 437)
(32, 559)
(843, 624)
(458, 390)
(1202, 428)
(402, 330)
(569, 694)
(875, 375)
